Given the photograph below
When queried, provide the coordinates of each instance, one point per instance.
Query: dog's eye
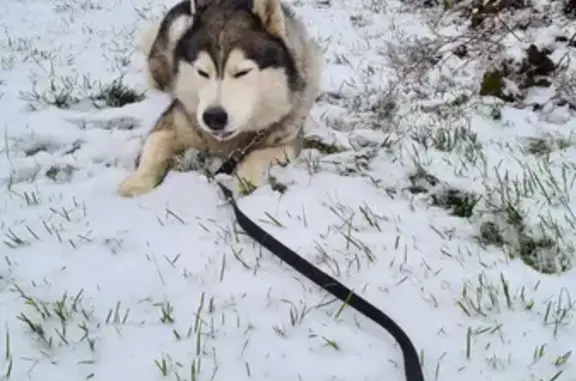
(242, 73)
(202, 73)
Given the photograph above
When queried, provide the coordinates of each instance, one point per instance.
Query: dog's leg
(252, 169)
(170, 136)
(158, 150)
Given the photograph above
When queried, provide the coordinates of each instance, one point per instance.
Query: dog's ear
(271, 14)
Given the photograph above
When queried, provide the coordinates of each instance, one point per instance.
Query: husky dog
(237, 70)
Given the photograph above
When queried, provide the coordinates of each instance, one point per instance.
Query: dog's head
(233, 68)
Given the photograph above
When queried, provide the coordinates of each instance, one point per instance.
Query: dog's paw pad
(136, 185)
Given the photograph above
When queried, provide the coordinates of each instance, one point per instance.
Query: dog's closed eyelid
(241, 73)
(203, 73)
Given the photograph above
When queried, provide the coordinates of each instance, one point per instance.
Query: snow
(166, 287)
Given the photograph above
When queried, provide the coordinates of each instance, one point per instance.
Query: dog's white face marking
(242, 98)
(232, 98)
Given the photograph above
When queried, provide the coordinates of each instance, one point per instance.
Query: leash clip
(239, 154)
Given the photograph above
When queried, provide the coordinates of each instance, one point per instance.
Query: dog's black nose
(215, 118)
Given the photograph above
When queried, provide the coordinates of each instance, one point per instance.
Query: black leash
(412, 368)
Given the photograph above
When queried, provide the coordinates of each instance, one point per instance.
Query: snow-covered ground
(451, 211)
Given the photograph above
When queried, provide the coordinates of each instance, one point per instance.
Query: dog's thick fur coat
(235, 68)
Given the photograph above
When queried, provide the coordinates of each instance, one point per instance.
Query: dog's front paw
(137, 184)
(248, 178)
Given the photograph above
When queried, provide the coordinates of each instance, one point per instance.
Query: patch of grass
(276, 185)
(192, 160)
(459, 203)
(75, 6)
(60, 173)
(539, 147)
(116, 94)
(313, 142)
(60, 93)
(546, 145)
(59, 323)
(537, 253)
(37, 148)
(495, 113)
(458, 139)
(421, 181)
(535, 66)
(536, 248)
(447, 139)
(245, 186)
(490, 8)
(384, 109)
(355, 163)
(493, 83)
(64, 92)
(535, 69)
(490, 234)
